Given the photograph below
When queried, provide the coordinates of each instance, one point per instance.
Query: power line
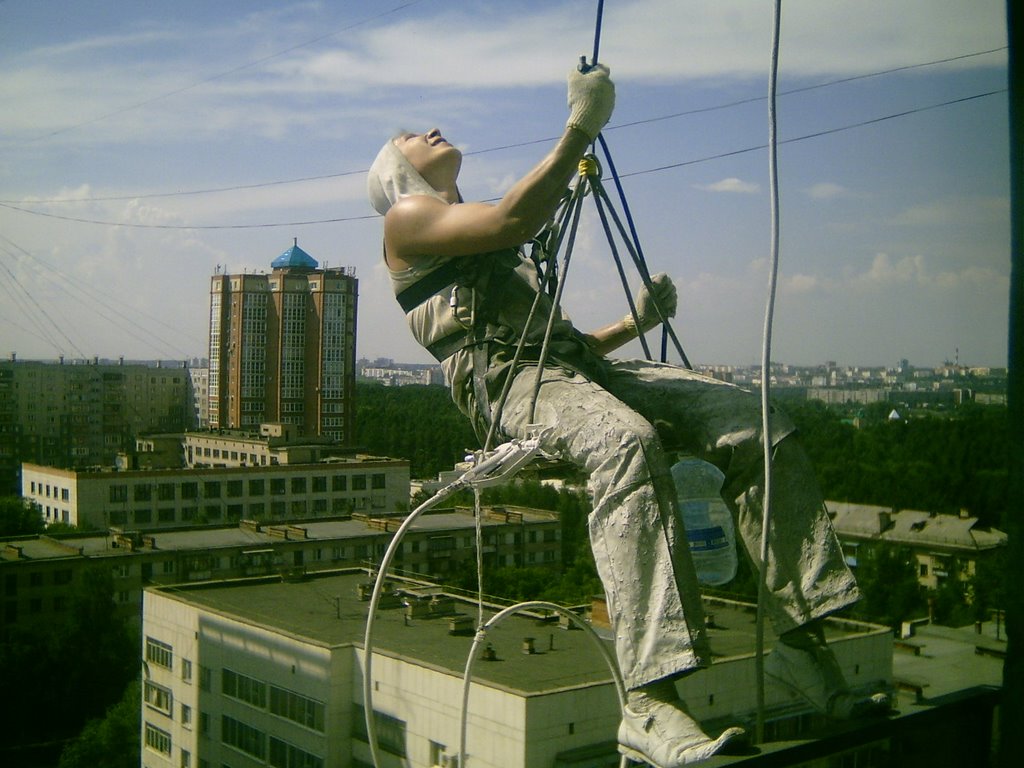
(816, 134)
(643, 172)
(28, 301)
(129, 325)
(517, 145)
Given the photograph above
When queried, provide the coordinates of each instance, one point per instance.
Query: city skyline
(892, 159)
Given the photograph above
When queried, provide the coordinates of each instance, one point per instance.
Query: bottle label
(707, 539)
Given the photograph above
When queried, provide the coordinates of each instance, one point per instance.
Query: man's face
(430, 154)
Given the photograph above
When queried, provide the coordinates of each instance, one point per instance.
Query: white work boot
(656, 729)
(807, 668)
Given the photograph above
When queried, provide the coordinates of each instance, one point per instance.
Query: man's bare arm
(423, 226)
(606, 340)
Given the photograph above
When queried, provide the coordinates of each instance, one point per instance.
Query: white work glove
(666, 297)
(591, 99)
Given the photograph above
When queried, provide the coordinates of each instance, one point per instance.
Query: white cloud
(826, 190)
(731, 184)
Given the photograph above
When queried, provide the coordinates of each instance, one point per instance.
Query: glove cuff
(576, 125)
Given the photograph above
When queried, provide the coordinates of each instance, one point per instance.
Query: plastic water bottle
(708, 522)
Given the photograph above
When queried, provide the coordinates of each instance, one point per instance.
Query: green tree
(112, 741)
(71, 670)
(19, 517)
(887, 576)
(418, 423)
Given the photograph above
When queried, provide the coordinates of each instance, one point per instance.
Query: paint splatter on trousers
(620, 434)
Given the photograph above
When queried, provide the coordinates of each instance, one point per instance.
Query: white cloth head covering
(392, 177)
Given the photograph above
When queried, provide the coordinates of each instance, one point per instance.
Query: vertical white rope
(766, 357)
(478, 514)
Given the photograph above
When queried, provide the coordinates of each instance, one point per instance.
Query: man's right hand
(591, 99)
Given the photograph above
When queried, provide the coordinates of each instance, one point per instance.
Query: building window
(157, 697)
(190, 490)
(438, 754)
(142, 493)
(118, 493)
(378, 481)
(211, 489)
(243, 688)
(298, 485)
(159, 653)
(165, 491)
(62, 577)
(158, 740)
(143, 515)
(186, 670)
(165, 515)
(277, 486)
(285, 755)
(320, 484)
(339, 483)
(186, 759)
(390, 730)
(234, 489)
(358, 482)
(186, 715)
(298, 708)
(241, 736)
(257, 487)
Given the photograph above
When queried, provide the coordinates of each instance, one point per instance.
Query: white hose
(481, 633)
(766, 507)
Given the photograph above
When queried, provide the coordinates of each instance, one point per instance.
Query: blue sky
(119, 117)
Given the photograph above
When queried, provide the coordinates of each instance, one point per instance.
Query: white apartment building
(165, 498)
(267, 672)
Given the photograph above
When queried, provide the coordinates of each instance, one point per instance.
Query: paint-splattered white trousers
(619, 435)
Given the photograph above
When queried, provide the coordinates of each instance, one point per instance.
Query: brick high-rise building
(283, 347)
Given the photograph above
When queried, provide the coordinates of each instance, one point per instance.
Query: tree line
(938, 463)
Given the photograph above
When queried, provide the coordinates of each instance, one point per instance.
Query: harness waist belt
(423, 289)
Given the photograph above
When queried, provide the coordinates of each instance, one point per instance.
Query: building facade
(943, 546)
(166, 498)
(80, 414)
(256, 673)
(282, 348)
(39, 572)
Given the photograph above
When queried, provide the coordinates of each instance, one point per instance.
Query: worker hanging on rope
(467, 288)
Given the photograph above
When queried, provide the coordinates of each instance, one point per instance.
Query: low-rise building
(166, 498)
(39, 572)
(943, 545)
(272, 444)
(270, 672)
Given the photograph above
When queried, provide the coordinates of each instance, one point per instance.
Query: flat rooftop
(325, 610)
(45, 547)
